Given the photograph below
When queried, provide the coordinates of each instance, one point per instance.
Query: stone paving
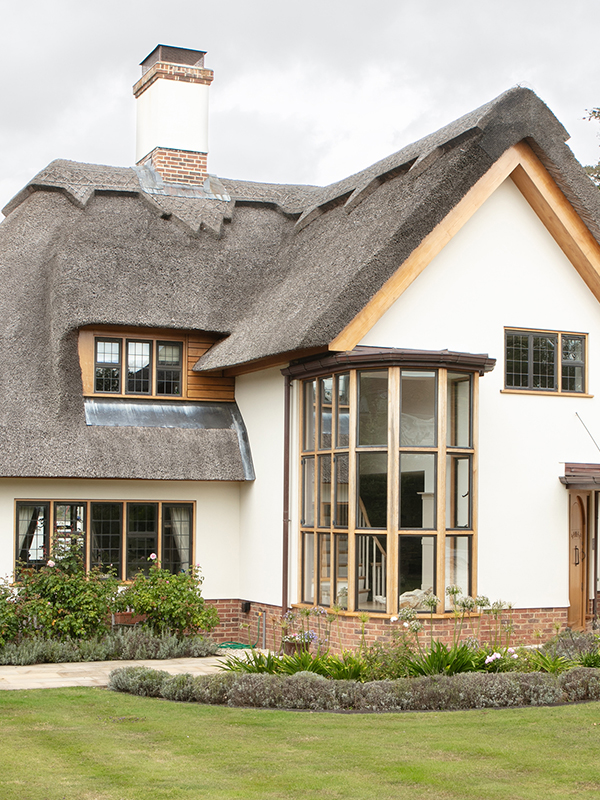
(95, 673)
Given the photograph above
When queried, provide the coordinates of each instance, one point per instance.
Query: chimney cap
(174, 55)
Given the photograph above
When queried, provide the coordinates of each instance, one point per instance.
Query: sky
(303, 92)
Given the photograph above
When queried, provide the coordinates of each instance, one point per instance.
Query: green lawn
(92, 744)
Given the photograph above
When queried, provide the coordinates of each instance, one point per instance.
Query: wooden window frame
(392, 451)
(120, 568)
(559, 363)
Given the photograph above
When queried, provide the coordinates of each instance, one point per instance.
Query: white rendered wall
(503, 269)
(172, 114)
(217, 518)
(260, 397)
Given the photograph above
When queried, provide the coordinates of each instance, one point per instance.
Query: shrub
(307, 690)
(9, 618)
(129, 643)
(61, 600)
(170, 602)
(443, 660)
(581, 683)
(138, 680)
(572, 644)
(388, 660)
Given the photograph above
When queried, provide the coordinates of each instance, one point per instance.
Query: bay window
(387, 469)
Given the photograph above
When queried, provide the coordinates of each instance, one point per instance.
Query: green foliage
(252, 662)
(443, 660)
(126, 644)
(9, 618)
(310, 690)
(62, 601)
(389, 660)
(345, 667)
(170, 602)
(589, 659)
(549, 662)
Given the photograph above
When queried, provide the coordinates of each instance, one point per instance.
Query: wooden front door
(578, 545)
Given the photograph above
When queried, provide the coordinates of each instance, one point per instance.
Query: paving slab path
(95, 673)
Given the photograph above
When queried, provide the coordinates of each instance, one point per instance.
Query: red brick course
(516, 626)
(178, 166)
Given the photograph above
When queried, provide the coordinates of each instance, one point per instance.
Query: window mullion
(352, 499)
(474, 484)
(441, 485)
(393, 488)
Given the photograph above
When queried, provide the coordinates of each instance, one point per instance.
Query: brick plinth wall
(529, 626)
(178, 166)
(237, 626)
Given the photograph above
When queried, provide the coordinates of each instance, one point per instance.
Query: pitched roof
(274, 269)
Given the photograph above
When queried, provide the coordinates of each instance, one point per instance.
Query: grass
(91, 744)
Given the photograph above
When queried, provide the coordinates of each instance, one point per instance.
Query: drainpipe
(595, 552)
(286, 492)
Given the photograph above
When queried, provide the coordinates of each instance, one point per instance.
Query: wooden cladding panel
(206, 387)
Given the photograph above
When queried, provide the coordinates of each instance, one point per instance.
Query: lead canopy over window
(386, 487)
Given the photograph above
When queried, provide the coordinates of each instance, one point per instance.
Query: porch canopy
(581, 476)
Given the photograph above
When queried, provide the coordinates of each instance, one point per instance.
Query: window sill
(544, 393)
(421, 615)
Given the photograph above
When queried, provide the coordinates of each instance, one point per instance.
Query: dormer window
(136, 363)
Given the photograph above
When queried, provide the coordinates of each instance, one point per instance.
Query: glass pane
(458, 571)
(341, 490)
(458, 491)
(372, 490)
(459, 410)
(69, 526)
(417, 490)
(107, 379)
(310, 389)
(138, 367)
(169, 355)
(342, 383)
(373, 408)
(341, 569)
(573, 364)
(168, 369)
(325, 491)
(544, 361)
(105, 532)
(108, 352)
(418, 403)
(141, 537)
(572, 378)
(371, 573)
(416, 571)
(176, 537)
(308, 491)
(324, 569)
(32, 534)
(325, 394)
(517, 360)
(308, 567)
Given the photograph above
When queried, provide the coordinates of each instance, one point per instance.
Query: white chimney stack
(172, 114)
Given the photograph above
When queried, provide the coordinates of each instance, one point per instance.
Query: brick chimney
(172, 114)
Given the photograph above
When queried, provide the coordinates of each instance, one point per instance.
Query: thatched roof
(274, 269)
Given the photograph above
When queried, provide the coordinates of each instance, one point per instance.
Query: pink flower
(152, 556)
(50, 563)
